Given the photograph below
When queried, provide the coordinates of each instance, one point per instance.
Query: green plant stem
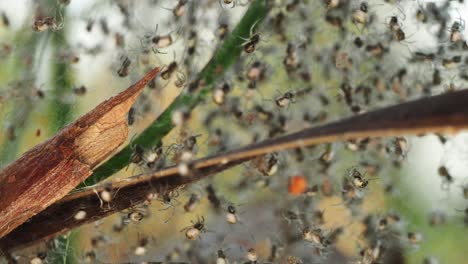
(224, 57)
(65, 248)
(62, 82)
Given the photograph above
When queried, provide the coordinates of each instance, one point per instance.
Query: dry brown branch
(52, 169)
(446, 113)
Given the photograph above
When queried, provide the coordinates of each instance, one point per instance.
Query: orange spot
(297, 185)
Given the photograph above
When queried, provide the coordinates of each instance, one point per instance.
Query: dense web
(306, 64)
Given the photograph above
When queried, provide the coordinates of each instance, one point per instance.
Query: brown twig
(52, 169)
(446, 113)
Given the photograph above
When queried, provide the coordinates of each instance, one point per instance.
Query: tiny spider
(193, 231)
(250, 44)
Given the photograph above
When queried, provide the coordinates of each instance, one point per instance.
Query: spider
(193, 231)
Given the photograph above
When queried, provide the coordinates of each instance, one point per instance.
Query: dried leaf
(446, 113)
(52, 169)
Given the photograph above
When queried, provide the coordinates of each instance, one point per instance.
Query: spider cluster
(306, 64)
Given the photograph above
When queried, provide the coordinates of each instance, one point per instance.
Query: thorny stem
(224, 57)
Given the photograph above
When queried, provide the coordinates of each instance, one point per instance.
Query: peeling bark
(53, 168)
